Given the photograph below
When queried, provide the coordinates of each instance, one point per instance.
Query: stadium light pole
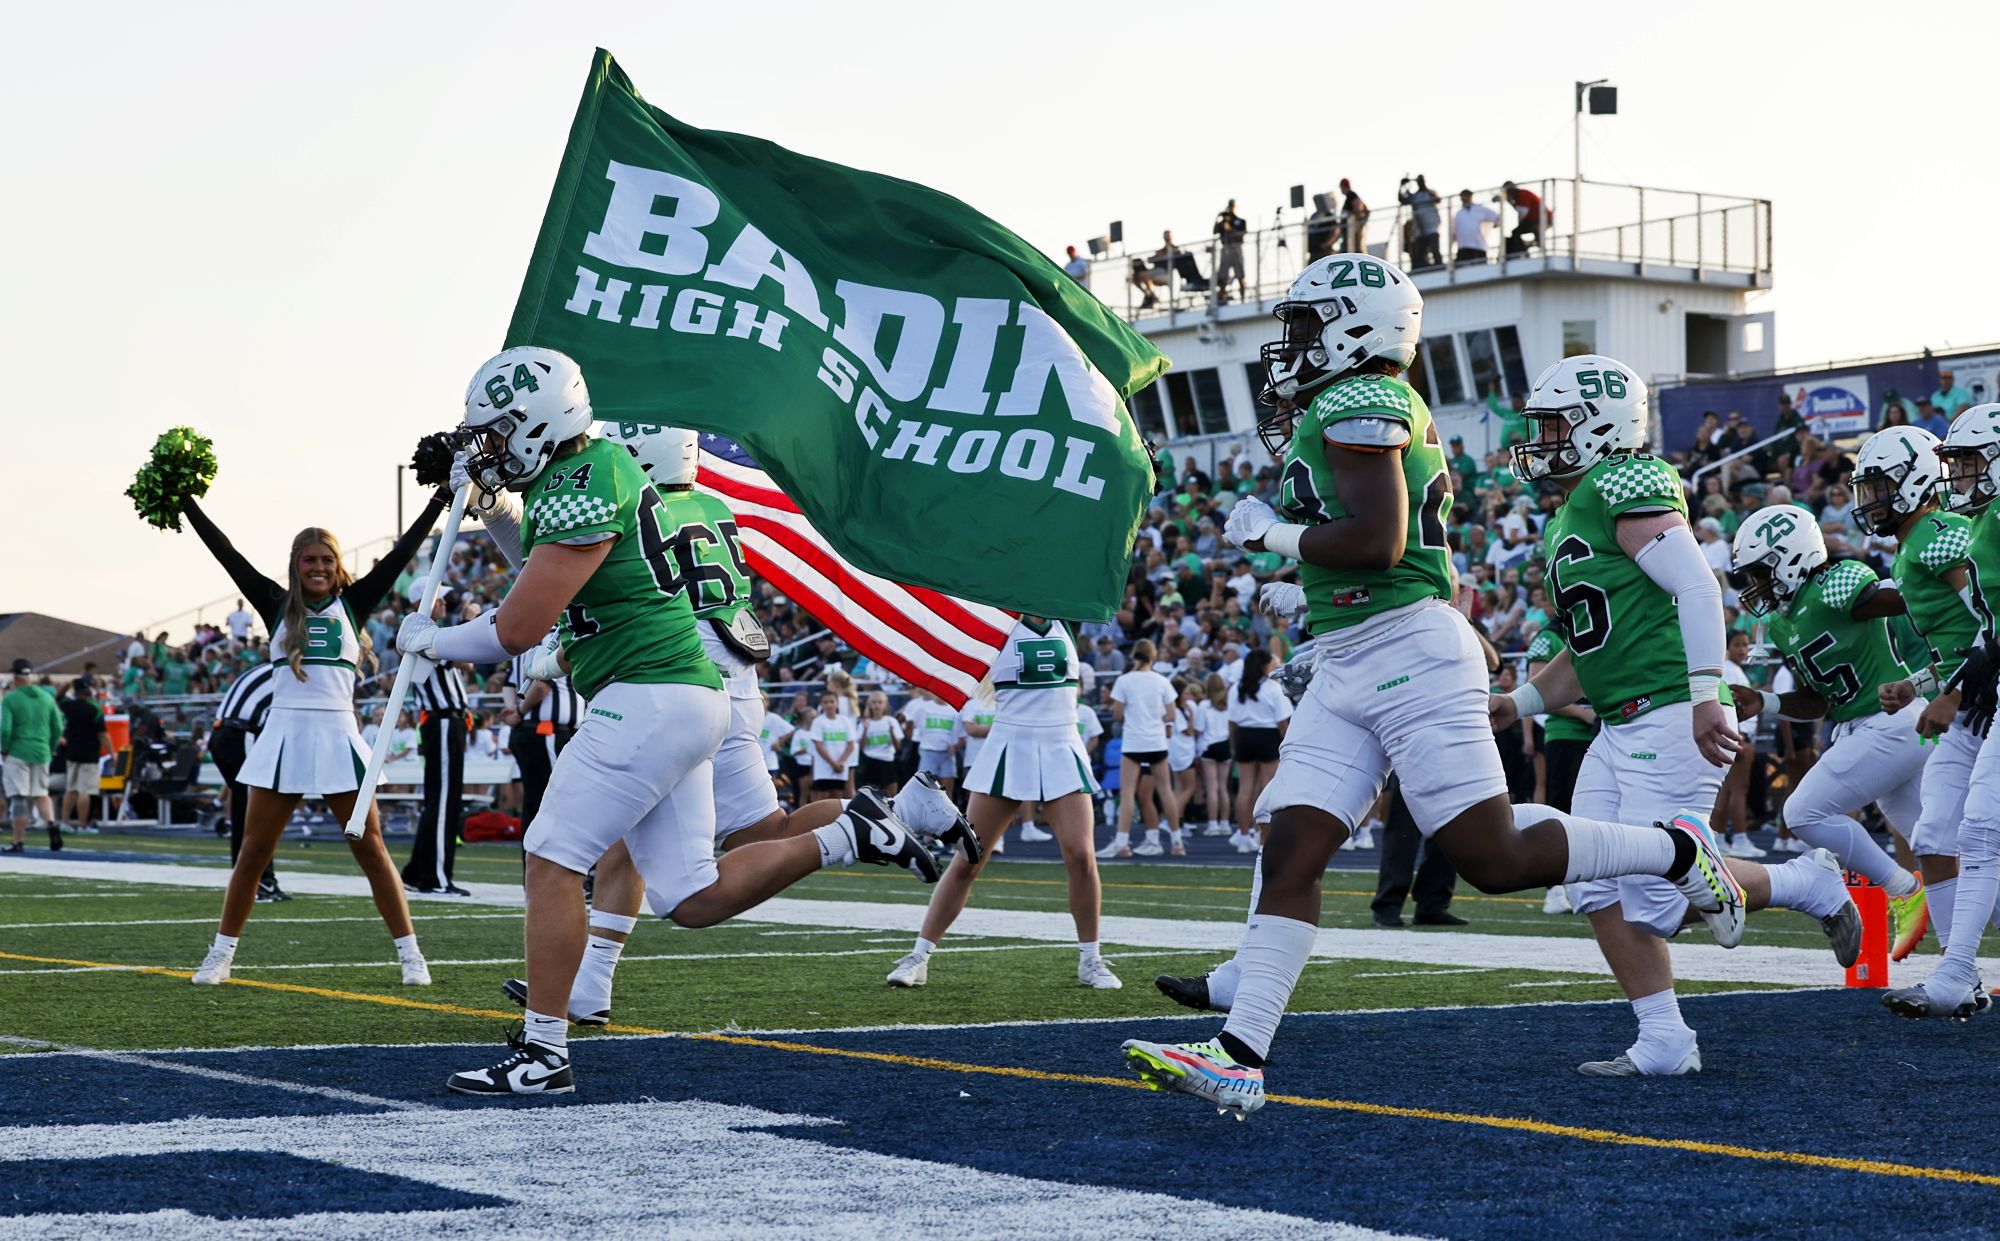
(1601, 102)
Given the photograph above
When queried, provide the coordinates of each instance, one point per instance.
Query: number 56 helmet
(1342, 311)
(1970, 458)
(1895, 473)
(669, 455)
(520, 407)
(1777, 549)
(1582, 410)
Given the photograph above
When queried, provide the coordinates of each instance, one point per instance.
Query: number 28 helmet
(1777, 549)
(1582, 410)
(1895, 473)
(669, 455)
(1342, 311)
(1970, 457)
(521, 406)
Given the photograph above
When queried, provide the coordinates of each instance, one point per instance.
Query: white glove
(1282, 600)
(1249, 519)
(481, 500)
(417, 635)
(459, 476)
(544, 663)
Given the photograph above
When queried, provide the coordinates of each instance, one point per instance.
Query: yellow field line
(1516, 1124)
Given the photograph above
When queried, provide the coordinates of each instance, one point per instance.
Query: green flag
(942, 402)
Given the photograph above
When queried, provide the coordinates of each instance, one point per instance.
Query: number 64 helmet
(1582, 410)
(521, 405)
(1777, 548)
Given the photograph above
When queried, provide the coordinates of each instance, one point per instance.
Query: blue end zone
(49, 1088)
(218, 1184)
(1822, 1072)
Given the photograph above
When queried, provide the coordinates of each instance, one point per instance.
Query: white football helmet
(1895, 474)
(1970, 459)
(1582, 410)
(1777, 549)
(669, 455)
(1342, 311)
(520, 407)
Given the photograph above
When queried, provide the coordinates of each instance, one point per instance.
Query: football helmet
(669, 455)
(1582, 410)
(1970, 459)
(1342, 311)
(1777, 548)
(1895, 473)
(521, 405)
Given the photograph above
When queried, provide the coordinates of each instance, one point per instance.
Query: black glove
(432, 459)
(1978, 683)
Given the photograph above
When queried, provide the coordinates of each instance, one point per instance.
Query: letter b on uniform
(1044, 661)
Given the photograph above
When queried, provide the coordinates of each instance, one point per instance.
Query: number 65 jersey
(1624, 636)
(1841, 659)
(1307, 496)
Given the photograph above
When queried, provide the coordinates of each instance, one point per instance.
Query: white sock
(552, 1032)
(1222, 982)
(225, 941)
(591, 992)
(1664, 1039)
(1599, 850)
(1806, 886)
(1152, 835)
(1943, 899)
(924, 949)
(1841, 836)
(406, 945)
(1274, 951)
(836, 843)
(1087, 951)
(1972, 904)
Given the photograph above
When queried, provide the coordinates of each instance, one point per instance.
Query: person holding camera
(1423, 205)
(1229, 231)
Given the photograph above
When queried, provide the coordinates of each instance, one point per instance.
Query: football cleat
(55, 838)
(1913, 917)
(1556, 901)
(1843, 926)
(530, 1069)
(1917, 1002)
(1711, 890)
(880, 839)
(911, 971)
(1189, 992)
(1621, 1065)
(516, 989)
(922, 807)
(416, 971)
(1095, 973)
(214, 967)
(269, 892)
(1203, 1070)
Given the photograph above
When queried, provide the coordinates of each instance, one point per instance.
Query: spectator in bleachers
(1353, 220)
(1151, 275)
(1229, 233)
(1531, 219)
(1949, 400)
(1931, 419)
(1423, 223)
(1897, 410)
(1468, 229)
(1077, 267)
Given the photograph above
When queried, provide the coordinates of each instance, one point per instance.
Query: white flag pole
(357, 823)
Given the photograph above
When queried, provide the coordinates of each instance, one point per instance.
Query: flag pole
(357, 822)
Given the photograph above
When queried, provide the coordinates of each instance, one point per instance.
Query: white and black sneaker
(880, 839)
(923, 806)
(530, 1069)
(516, 989)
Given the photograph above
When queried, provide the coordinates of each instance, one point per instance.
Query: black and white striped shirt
(249, 699)
(561, 706)
(442, 693)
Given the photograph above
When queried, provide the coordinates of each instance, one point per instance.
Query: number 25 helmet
(520, 407)
(1582, 410)
(1342, 311)
(1970, 458)
(669, 455)
(1895, 473)
(1777, 549)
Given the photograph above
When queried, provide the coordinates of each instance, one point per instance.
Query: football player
(638, 771)
(1946, 563)
(1401, 678)
(1642, 612)
(1826, 619)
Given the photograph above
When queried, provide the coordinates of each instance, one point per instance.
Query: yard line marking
(623, 958)
(1477, 969)
(1574, 982)
(266, 920)
(224, 1075)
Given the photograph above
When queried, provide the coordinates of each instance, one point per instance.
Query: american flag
(929, 639)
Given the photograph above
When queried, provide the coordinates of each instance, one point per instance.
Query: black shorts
(1146, 759)
(1256, 745)
(1219, 752)
(829, 786)
(876, 772)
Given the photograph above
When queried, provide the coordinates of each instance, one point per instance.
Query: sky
(299, 229)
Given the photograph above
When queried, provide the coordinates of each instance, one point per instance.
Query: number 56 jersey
(1307, 496)
(1624, 636)
(632, 621)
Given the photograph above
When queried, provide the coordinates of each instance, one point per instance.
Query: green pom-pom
(182, 466)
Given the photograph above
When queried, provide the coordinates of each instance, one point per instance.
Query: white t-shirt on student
(775, 726)
(1266, 710)
(1147, 698)
(834, 733)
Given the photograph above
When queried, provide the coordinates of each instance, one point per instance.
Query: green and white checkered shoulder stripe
(1622, 480)
(1947, 549)
(560, 514)
(1842, 583)
(1544, 648)
(1362, 394)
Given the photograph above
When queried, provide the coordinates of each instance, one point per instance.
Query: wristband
(475, 642)
(1925, 683)
(1528, 700)
(1771, 707)
(1284, 540)
(1704, 687)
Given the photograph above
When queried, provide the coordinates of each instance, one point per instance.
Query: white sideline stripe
(223, 1075)
(1476, 969)
(1695, 961)
(623, 958)
(275, 920)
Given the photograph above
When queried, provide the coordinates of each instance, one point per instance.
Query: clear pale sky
(299, 229)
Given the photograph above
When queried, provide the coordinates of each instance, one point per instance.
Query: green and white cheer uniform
(638, 768)
(1400, 680)
(1034, 752)
(311, 743)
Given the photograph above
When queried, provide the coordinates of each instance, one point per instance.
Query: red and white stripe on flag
(929, 639)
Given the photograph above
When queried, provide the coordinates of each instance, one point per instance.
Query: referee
(548, 712)
(442, 709)
(238, 720)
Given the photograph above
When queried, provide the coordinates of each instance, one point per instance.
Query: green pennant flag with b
(943, 404)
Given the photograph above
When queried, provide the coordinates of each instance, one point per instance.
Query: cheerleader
(1142, 700)
(1033, 753)
(1211, 716)
(1181, 752)
(1259, 713)
(311, 745)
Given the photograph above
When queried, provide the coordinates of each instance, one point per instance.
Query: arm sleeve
(367, 591)
(503, 526)
(260, 592)
(1675, 564)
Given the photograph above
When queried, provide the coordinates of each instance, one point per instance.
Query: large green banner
(941, 401)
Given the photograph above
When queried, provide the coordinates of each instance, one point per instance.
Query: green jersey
(1337, 599)
(1547, 645)
(1624, 637)
(702, 533)
(1841, 659)
(1982, 569)
(632, 620)
(1935, 545)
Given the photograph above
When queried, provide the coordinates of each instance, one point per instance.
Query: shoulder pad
(1843, 582)
(1369, 431)
(1374, 394)
(1946, 548)
(1623, 480)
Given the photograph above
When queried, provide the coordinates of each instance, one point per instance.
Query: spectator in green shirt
(1949, 398)
(31, 727)
(1460, 459)
(175, 673)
